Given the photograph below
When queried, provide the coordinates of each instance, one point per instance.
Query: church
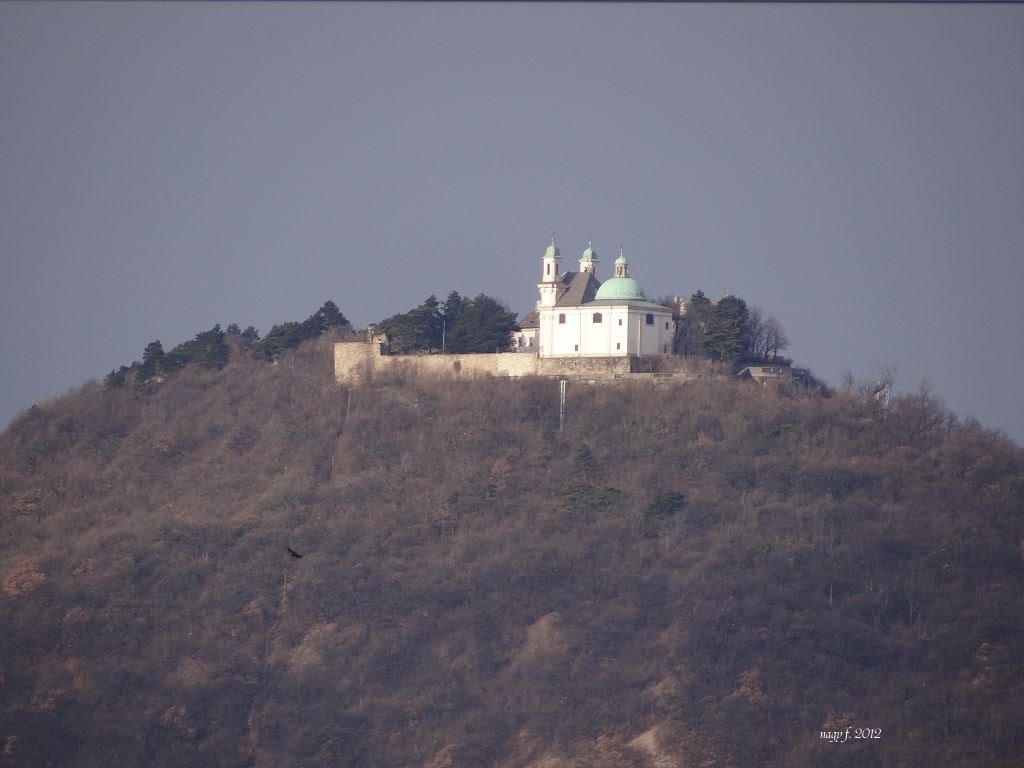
(577, 315)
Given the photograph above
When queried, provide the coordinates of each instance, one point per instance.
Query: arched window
(549, 269)
(650, 319)
(561, 318)
(597, 317)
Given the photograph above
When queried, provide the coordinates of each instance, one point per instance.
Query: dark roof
(531, 320)
(582, 288)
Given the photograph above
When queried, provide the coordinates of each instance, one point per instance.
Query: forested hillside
(700, 575)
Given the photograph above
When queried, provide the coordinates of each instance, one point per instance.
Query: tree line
(728, 330)
(211, 349)
(459, 325)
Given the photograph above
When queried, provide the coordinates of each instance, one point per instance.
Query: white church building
(577, 315)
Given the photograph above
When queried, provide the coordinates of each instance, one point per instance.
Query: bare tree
(775, 338)
(764, 334)
(756, 331)
(847, 384)
(881, 386)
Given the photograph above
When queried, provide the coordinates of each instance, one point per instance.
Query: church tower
(621, 265)
(589, 260)
(550, 281)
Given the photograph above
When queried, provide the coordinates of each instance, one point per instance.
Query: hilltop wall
(360, 361)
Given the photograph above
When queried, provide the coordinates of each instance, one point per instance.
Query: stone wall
(596, 367)
(361, 362)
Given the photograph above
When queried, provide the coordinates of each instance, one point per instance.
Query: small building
(765, 372)
(579, 316)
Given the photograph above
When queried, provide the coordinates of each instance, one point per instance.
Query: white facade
(578, 316)
(602, 329)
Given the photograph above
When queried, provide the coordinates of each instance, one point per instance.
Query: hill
(705, 575)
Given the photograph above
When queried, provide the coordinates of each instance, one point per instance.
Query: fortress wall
(466, 366)
(358, 362)
(355, 361)
(582, 366)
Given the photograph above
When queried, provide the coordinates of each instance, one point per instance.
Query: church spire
(552, 257)
(589, 260)
(551, 268)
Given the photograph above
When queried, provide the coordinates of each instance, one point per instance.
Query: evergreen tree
(249, 337)
(692, 325)
(418, 330)
(289, 335)
(208, 349)
(425, 324)
(117, 376)
(280, 338)
(428, 317)
(454, 308)
(481, 325)
(152, 361)
(725, 332)
(212, 350)
(328, 316)
(401, 339)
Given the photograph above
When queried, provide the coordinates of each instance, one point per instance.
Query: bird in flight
(293, 553)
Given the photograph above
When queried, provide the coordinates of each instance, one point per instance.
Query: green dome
(621, 259)
(552, 251)
(589, 254)
(623, 288)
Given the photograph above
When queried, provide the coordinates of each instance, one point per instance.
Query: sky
(855, 170)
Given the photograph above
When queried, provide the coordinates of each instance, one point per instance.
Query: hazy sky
(856, 170)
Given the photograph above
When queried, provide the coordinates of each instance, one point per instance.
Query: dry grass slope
(706, 575)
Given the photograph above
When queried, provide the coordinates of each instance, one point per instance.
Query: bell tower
(551, 269)
(589, 260)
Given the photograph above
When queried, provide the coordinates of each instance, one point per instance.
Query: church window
(620, 321)
(575, 347)
(561, 318)
(650, 319)
(618, 345)
(597, 317)
(549, 269)
(666, 326)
